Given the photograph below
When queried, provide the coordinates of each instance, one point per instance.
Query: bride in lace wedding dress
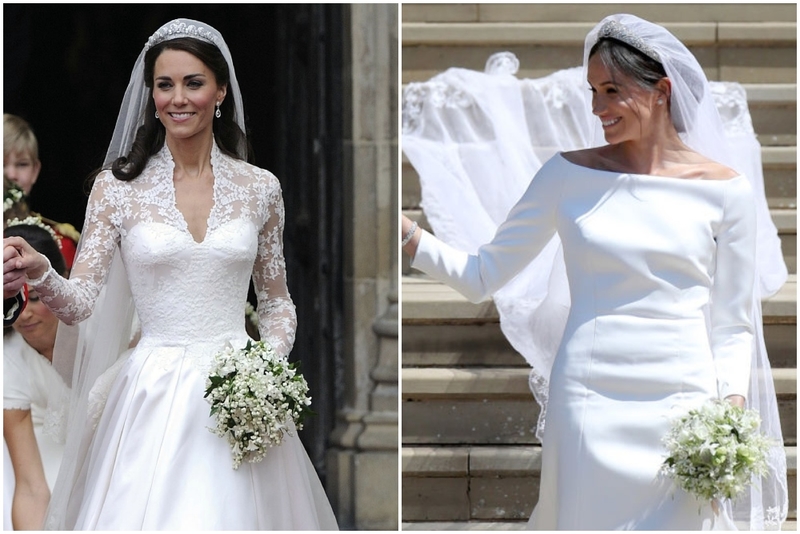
(179, 221)
(629, 275)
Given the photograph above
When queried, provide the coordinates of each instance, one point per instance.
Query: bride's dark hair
(150, 136)
(621, 57)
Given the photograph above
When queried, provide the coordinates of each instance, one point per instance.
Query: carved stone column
(363, 460)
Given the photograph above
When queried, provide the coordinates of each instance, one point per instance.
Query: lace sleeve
(72, 300)
(276, 312)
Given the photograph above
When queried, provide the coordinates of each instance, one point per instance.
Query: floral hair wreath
(35, 221)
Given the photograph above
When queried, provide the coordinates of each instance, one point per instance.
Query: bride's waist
(207, 342)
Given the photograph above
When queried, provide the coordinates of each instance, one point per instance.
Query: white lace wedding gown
(152, 463)
(661, 279)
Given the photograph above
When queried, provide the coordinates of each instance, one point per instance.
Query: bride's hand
(20, 261)
(736, 400)
(406, 226)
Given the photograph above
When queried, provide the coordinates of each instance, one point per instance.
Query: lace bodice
(184, 290)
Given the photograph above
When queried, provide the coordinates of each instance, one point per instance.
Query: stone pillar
(363, 461)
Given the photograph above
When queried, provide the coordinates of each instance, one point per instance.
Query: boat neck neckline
(655, 176)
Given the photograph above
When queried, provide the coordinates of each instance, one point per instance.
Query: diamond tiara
(175, 30)
(614, 30)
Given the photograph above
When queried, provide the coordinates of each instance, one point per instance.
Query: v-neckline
(214, 197)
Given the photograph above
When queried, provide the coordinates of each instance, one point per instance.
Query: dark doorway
(66, 68)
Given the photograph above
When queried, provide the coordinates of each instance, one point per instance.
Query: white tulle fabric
(476, 139)
(149, 461)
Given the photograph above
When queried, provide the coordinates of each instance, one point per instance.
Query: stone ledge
(435, 461)
(766, 33)
(425, 300)
(779, 155)
(592, 13)
(506, 461)
(485, 526)
(491, 383)
(538, 33)
(762, 93)
(506, 383)
(574, 33)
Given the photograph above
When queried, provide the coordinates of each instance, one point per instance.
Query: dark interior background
(65, 71)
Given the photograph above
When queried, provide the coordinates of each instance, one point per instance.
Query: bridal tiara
(175, 30)
(614, 30)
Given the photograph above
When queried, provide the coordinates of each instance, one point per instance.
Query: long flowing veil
(477, 138)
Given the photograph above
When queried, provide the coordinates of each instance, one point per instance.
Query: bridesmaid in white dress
(179, 221)
(34, 398)
(659, 243)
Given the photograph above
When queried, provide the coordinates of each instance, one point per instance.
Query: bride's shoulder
(700, 167)
(252, 175)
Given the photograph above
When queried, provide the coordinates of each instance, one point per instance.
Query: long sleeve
(72, 300)
(530, 225)
(732, 329)
(276, 311)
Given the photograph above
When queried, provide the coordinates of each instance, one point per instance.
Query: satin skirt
(617, 385)
(153, 463)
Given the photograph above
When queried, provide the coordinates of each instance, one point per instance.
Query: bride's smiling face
(625, 109)
(185, 93)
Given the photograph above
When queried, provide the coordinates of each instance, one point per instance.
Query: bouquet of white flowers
(714, 450)
(253, 394)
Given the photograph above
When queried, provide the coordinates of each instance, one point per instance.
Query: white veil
(86, 354)
(477, 138)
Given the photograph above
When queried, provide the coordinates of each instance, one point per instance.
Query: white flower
(714, 450)
(253, 394)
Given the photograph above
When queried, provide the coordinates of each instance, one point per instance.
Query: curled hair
(41, 240)
(151, 135)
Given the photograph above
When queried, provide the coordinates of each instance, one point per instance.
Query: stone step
(748, 52)
(449, 406)
(592, 13)
(779, 164)
(426, 301)
(485, 526)
(489, 484)
(484, 345)
(442, 328)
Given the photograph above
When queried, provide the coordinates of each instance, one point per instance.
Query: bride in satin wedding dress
(628, 274)
(177, 223)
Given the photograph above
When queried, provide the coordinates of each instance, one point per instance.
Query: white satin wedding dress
(152, 463)
(475, 140)
(661, 276)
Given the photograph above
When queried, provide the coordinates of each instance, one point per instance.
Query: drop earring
(218, 113)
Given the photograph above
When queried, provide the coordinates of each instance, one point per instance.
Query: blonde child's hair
(18, 137)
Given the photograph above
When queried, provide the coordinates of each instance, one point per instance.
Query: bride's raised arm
(530, 225)
(73, 300)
